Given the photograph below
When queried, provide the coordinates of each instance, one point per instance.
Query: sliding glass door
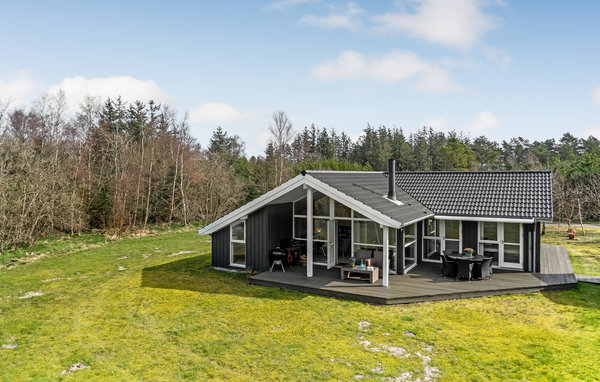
(440, 236)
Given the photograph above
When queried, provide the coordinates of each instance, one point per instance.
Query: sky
(498, 68)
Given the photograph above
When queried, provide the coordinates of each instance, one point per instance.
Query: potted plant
(468, 252)
(352, 262)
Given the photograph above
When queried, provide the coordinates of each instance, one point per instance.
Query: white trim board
(484, 219)
(290, 185)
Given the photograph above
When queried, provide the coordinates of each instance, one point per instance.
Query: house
(410, 216)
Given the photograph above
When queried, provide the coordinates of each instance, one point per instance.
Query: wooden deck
(424, 282)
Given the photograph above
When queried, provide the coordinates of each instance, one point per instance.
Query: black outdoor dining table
(460, 256)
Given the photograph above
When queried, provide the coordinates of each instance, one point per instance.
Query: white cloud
(389, 68)
(437, 123)
(596, 95)
(218, 113)
(285, 4)
(483, 121)
(347, 18)
(497, 56)
(19, 88)
(453, 23)
(130, 89)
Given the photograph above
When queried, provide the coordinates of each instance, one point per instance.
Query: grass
(173, 318)
(584, 251)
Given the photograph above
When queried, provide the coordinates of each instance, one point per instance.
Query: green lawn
(584, 251)
(168, 316)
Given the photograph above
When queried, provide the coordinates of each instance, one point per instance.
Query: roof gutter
(486, 219)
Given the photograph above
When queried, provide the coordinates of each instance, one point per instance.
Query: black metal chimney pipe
(392, 179)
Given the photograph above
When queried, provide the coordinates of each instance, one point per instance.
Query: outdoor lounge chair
(377, 261)
(483, 270)
(363, 254)
(448, 266)
(463, 269)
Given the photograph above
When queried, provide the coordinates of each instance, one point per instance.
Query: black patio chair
(463, 269)
(483, 269)
(448, 266)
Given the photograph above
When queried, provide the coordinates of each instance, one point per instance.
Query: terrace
(424, 282)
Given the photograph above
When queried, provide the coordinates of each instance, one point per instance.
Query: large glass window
(320, 204)
(320, 229)
(300, 207)
(238, 244)
(367, 232)
(341, 211)
(300, 228)
(488, 231)
(431, 240)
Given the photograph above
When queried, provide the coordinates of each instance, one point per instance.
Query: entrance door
(511, 246)
(502, 242)
(331, 243)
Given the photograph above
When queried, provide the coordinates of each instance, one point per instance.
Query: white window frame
(332, 216)
(413, 241)
(232, 241)
(500, 242)
(441, 237)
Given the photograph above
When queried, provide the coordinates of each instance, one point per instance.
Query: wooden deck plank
(424, 283)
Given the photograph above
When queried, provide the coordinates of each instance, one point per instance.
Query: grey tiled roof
(370, 188)
(505, 194)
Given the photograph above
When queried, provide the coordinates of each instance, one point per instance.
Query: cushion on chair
(363, 254)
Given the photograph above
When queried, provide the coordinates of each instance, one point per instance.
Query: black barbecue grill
(287, 254)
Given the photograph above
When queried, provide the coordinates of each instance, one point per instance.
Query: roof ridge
(342, 171)
(472, 172)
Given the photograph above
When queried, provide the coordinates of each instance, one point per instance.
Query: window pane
(367, 232)
(511, 233)
(300, 228)
(300, 207)
(359, 216)
(239, 253)
(410, 255)
(393, 232)
(320, 204)
(512, 253)
(431, 227)
(410, 230)
(320, 229)
(341, 210)
(320, 252)
(452, 229)
(451, 247)
(489, 250)
(237, 231)
(489, 231)
(431, 250)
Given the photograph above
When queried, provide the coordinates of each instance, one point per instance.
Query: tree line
(117, 166)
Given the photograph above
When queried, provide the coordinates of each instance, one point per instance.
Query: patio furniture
(373, 273)
(483, 269)
(377, 260)
(363, 254)
(463, 268)
(448, 266)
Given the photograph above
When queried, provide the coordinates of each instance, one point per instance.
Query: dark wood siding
(220, 248)
(265, 229)
(469, 235)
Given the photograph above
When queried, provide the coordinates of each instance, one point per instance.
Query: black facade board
(220, 248)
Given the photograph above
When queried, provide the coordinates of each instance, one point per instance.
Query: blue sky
(498, 68)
